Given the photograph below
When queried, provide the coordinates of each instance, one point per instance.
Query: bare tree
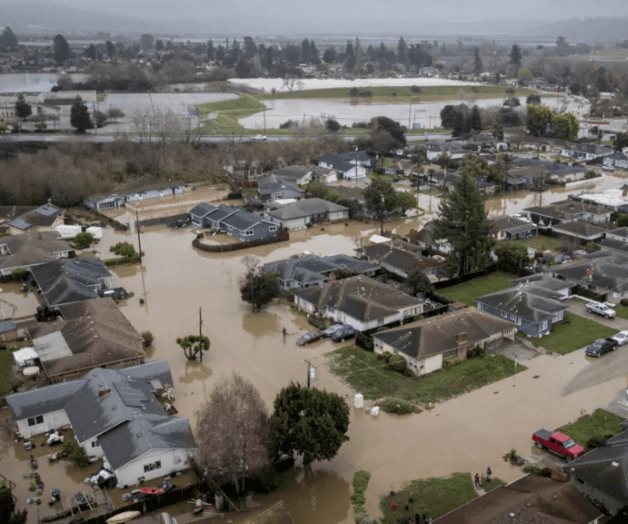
(233, 432)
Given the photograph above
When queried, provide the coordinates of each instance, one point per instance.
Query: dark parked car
(343, 333)
(309, 337)
(600, 347)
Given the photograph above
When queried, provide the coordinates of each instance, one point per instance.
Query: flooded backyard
(176, 280)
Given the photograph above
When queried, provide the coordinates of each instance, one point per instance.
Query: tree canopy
(257, 287)
(194, 345)
(60, 49)
(79, 116)
(382, 200)
(511, 256)
(8, 40)
(463, 222)
(22, 108)
(541, 121)
(233, 432)
(309, 422)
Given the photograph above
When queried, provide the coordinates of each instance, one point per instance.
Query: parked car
(259, 138)
(309, 337)
(343, 333)
(332, 329)
(600, 347)
(599, 308)
(557, 443)
(621, 338)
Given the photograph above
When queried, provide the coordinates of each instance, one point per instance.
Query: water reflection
(195, 371)
(260, 324)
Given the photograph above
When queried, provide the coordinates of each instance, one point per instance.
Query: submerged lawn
(361, 370)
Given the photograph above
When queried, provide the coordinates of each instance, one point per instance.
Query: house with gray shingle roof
(304, 213)
(44, 216)
(360, 301)
(579, 231)
(533, 308)
(115, 415)
(311, 270)
(232, 220)
(31, 249)
(602, 473)
(425, 344)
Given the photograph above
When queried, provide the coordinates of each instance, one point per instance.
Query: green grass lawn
(542, 243)
(468, 292)
(600, 424)
(361, 370)
(405, 93)
(6, 371)
(434, 496)
(622, 311)
(575, 333)
(229, 112)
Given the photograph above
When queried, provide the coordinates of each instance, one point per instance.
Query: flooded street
(466, 434)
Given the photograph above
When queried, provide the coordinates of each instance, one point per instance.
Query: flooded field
(424, 115)
(32, 82)
(467, 433)
(278, 84)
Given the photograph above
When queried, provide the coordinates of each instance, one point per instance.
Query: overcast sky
(322, 10)
(325, 16)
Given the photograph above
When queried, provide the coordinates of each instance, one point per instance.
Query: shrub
(148, 338)
(83, 240)
(476, 352)
(364, 341)
(624, 302)
(394, 362)
(123, 249)
(234, 195)
(19, 274)
(591, 247)
(398, 406)
(360, 483)
(75, 453)
(596, 442)
(590, 174)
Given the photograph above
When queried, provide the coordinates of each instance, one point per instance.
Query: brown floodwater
(464, 434)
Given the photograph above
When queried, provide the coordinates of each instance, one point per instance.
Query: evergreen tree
(402, 52)
(110, 49)
(308, 422)
(350, 60)
(8, 40)
(475, 119)
(79, 116)
(91, 52)
(60, 49)
(515, 58)
(22, 108)
(211, 52)
(477, 62)
(463, 222)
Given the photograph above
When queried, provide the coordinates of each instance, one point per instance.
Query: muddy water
(14, 302)
(464, 434)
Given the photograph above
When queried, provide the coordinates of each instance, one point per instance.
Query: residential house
(568, 211)
(350, 166)
(582, 232)
(71, 280)
(402, 258)
(454, 149)
(273, 188)
(304, 213)
(449, 180)
(428, 240)
(311, 270)
(601, 273)
(533, 309)
(619, 234)
(602, 474)
(613, 199)
(101, 202)
(617, 160)
(234, 221)
(114, 415)
(300, 175)
(512, 228)
(529, 499)
(425, 344)
(537, 173)
(561, 289)
(42, 217)
(31, 249)
(88, 334)
(360, 301)
(586, 152)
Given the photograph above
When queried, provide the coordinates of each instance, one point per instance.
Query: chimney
(462, 338)
(103, 392)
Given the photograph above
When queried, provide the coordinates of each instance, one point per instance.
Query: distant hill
(588, 30)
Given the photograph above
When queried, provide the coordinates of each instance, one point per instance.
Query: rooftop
(31, 249)
(305, 208)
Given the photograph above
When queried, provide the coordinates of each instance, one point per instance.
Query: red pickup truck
(557, 443)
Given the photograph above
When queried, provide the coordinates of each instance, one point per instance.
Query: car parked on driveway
(343, 333)
(332, 329)
(557, 443)
(600, 347)
(621, 338)
(599, 308)
(309, 337)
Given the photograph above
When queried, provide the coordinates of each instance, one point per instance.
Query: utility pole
(139, 236)
(310, 369)
(264, 113)
(200, 331)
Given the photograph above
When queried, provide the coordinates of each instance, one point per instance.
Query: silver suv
(599, 308)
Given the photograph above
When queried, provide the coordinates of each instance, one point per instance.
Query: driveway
(616, 323)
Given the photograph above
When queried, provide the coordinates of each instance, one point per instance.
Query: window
(152, 466)
(272, 229)
(33, 421)
(95, 444)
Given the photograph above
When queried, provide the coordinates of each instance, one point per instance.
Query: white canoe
(125, 516)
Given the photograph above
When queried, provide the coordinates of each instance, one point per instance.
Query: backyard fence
(284, 236)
